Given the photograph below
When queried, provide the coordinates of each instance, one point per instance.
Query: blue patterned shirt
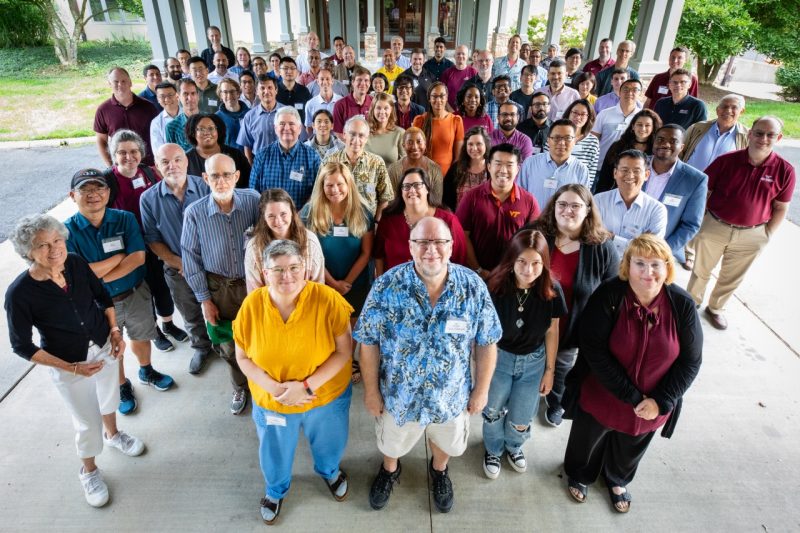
(293, 171)
(425, 369)
(257, 128)
(175, 132)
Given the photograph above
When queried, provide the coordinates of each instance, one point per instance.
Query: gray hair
(354, 119)
(287, 110)
(739, 99)
(280, 248)
(121, 136)
(27, 228)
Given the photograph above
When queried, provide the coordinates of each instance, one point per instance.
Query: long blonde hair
(320, 217)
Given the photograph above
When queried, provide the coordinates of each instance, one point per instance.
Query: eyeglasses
(577, 114)
(427, 243)
(293, 270)
(417, 185)
(288, 68)
(210, 129)
(679, 82)
(89, 191)
(227, 176)
(563, 206)
(566, 139)
(440, 96)
(507, 115)
(657, 265)
(539, 105)
(630, 90)
(758, 134)
(402, 87)
(636, 172)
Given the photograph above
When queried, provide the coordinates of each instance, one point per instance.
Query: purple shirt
(520, 141)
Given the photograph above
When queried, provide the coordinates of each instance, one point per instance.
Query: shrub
(788, 77)
(21, 25)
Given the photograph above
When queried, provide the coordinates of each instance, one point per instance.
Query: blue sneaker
(127, 401)
(155, 379)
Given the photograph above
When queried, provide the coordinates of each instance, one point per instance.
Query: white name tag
(683, 111)
(559, 114)
(346, 82)
(138, 183)
(672, 200)
(370, 189)
(568, 80)
(550, 183)
(340, 231)
(213, 102)
(416, 83)
(276, 421)
(299, 106)
(536, 150)
(295, 175)
(113, 244)
(456, 326)
(622, 127)
(663, 89)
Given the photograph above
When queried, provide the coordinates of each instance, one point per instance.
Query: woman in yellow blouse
(293, 343)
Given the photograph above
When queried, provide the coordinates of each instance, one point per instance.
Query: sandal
(579, 487)
(616, 499)
(356, 377)
(334, 486)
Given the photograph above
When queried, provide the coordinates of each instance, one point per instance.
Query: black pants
(162, 299)
(593, 449)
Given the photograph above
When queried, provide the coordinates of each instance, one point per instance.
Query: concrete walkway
(729, 466)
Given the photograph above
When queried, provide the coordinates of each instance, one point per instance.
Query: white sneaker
(491, 465)
(127, 444)
(517, 461)
(94, 488)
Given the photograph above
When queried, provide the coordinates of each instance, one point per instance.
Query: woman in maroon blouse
(412, 201)
(640, 349)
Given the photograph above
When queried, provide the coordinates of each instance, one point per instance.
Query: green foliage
(573, 32)
(715, 30)
(21, 24)
(788, 77)
(637, 4)
(778, 22)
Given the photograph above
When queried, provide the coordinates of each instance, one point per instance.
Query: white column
(655, 34)
(599, 26)
(523, 16)
(165, 27)
(260, 41)
(555, 16)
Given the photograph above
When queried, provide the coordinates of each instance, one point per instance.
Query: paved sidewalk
(732, 464)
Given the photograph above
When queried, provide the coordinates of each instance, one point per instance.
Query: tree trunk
(64, 44)
(707, 72)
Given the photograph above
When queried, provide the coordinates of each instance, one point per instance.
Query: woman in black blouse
(529, 304)
(207, 134)
(61, 297)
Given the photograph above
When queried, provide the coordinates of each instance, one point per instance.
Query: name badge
(138, 183)
(416, 83)
(550, 183)
(663, 89)
(537, 150)
(346, 82)
(456, 326)
(299, 106)
(559, 114)
(622, 127)
(113, 244)
(672, 200)
(370, 189)
(296, 175)
(683, 111)
(568, 80)
(276, 421)
(341, 231)
(213, 102)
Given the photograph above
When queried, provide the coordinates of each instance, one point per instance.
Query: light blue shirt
(213, 241)
(645, 215)
(604, 102)
(656, 183)
(712, 145)
(162, 212)
(317, 103)
(258, 128)
(542, 177)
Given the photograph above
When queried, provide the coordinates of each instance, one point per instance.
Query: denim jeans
(326, 428)
(513, 400)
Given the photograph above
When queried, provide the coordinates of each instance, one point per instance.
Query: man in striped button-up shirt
(212, 243)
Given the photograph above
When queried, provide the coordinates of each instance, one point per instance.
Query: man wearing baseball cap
(111, 242)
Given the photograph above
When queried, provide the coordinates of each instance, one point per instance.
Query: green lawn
(40, 99)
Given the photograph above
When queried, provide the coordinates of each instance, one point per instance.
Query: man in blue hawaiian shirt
(417, 330)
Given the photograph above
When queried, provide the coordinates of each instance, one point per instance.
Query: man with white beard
(212, 246)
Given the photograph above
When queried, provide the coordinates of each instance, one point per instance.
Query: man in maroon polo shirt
(492, 212)
(604, 60)
(356, 103)
(124, 110)
(659, 85)
(748, 196)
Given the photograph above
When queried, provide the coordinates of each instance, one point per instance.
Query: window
(246, 5)
(107, 11)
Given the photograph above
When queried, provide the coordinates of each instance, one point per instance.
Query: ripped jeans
(513, 400)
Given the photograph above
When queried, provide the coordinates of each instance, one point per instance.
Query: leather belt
(121, 296)
(734, 226)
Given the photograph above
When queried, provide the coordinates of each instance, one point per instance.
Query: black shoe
(162, 343)
(442, 489)
(382, 487)
(174, 331)
(554, 416)
(196, 364)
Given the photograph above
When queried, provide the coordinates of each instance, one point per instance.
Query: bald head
(220, 163)
(172, 163)
(431, 228)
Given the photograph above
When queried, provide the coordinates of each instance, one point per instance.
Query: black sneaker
(382, 487)
(174, 331)
(162, 342)
(442, 489)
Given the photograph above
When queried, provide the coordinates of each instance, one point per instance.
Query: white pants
(88, 398)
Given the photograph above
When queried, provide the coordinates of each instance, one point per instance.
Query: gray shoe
(238, 401)
(198, 359)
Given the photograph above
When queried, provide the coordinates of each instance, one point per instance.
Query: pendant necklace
(521, 301)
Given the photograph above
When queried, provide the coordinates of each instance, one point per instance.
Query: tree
(714, 30)
(778, 21)
(66, 28)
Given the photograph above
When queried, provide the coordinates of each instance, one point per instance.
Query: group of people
(479, 234)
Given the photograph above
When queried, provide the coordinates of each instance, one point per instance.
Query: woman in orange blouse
(444, 131)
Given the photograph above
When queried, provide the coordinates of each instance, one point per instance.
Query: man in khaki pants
(748, 195)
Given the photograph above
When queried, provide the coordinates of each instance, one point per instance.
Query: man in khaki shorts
(417, 330)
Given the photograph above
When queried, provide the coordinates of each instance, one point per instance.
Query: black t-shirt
(536, 318)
